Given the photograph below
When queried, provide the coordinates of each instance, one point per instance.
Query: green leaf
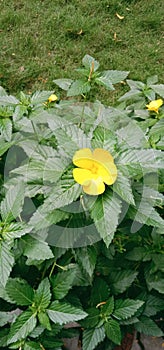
(63, 83)
(108, 308)
(6, 262)
(62, 194)
(63, 313)
(3, 337)
(62, 283)
(6, 128)
(87, 258)
(159, 89)
(35, 249)
(92, 337)
(155, 281)
(19, 291)
(144, 213)
(5, 317)
(43, 295)
(113, 331)
(4, 146)
(15, 230)
(148, 326)
(145, 160)
(87, 62)
(12, 204)
(104, 138)
(114, 76)
(153, 305)
(40, 97)
(126, 308)
(43, 218)
(79, 87)
(8, 100)
(105, 213)
(44, 320)
(92, 319)
(100, 291)
(120, 280)
(31, 345)
(23, 326)
(123, 188)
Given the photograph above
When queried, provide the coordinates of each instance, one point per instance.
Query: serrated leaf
(15, 230)
(126, 308)
(42, 218)
(44, 320)
(63, 83)
(6, 128)
(132, 94)
(92, 319)
(105, 213)
(121, 280)
(8, 100)
(155, 281)
(62, 195)
(78, 87)
(113, 331)
(132, 136)
(103, 138)
(11, 206)
(87, 258)
(158, 88)
(144, 213)
(123, 188)
(35, 249)
(5, 317)
(87, 62)
(148, 326)
(92, 337)
(19, 291)
(100, 291)
(108, 308)
(153, 305)
(62, 283)
(43, 295)
(31, 345)
(6, 262)
(40, 97)
(63, 313)
(115, 76)
(24, 325)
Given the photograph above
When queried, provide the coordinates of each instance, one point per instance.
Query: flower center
(94, 169)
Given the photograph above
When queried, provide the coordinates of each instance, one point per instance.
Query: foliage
(66, 256)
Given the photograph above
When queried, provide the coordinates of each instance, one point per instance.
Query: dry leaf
(80, 32)
(118, 16)
(115, 36)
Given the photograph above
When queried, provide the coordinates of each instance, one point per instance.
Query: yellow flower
(95, 169)
(52, 98)
(154, 105)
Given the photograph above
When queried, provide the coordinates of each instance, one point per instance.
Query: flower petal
(83, 158)
(94, 187)
(82, 175)
(102, 156)
(108, 172)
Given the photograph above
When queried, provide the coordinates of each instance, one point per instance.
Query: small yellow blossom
(52, 98)
(154, 105)
(95, 169)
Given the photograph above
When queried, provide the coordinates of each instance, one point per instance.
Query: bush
(81, 202)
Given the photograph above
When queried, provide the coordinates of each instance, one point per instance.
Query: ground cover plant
(81, 240)
(45, 40)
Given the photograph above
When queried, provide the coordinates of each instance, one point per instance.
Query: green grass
(40, 40)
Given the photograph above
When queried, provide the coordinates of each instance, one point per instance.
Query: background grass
(43, 40)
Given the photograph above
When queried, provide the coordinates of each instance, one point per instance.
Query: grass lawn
(43, 40)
